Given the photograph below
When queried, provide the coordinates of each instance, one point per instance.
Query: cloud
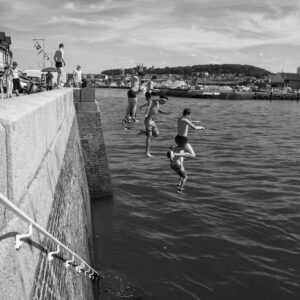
(175, 31)
(69, 6)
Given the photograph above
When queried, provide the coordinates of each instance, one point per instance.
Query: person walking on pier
(59, 63)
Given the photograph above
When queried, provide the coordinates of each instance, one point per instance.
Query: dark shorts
(58, 64)
(17, 85)
(131, 94)
(181, 141)
(148, 95)
(178, 170)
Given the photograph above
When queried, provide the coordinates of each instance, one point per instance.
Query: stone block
(76, 95)
(3, 170)
(87, 106)
(88, 95)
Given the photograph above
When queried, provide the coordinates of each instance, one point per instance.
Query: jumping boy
(59, 63)
(183, 124)
(130, 114)
(150, 114)
(177, 166)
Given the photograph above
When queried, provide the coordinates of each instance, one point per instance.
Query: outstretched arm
(193, 126)
(163, 112)
(146, 104)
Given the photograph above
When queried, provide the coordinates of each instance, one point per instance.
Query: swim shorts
(17, 84)
(148, 95)
(151, 127)
(58, 64)
(131, 94)
(181, 141)
(178, 170)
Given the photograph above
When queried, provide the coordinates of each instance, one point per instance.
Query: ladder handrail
(26, 218)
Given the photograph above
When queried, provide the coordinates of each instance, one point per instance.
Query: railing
(83, 267)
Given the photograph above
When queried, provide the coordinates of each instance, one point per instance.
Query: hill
(246, 70)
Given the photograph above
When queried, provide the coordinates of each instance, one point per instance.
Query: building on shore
(5, 53)
(283, 80)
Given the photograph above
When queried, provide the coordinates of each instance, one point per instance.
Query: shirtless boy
(132, 98)
(177, 166)
(183, 124)
(59, 63)
(150, 114)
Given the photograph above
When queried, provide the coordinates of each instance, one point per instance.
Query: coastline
(222, 95)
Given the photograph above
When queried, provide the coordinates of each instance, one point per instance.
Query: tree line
(246, 70)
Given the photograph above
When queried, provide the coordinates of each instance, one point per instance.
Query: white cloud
(191, 30)
(69, 6)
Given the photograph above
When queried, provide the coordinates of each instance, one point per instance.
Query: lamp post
(43, 50)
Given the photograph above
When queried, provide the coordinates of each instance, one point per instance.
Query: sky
(110, 34)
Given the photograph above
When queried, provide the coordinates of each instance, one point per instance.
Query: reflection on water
(234, 234)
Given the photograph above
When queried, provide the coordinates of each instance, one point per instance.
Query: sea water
(235, 232)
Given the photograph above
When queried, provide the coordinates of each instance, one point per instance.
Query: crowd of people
(10, 81)
(183, 148)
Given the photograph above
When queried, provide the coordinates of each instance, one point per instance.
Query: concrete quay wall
(92, 143)
(42, 171)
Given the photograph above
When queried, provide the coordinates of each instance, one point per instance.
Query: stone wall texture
(92, 143)
(69, 222)
(93, 147)
(42, 172)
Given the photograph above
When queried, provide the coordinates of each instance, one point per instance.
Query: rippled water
(235, 233)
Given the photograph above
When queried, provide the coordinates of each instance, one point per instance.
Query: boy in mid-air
(177, 166)
(183, 125)
(132, 95)
(150, 115)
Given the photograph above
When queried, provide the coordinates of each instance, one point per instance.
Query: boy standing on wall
(59, 63)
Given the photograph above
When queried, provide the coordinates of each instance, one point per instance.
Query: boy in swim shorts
(132, 96)
(177, 166)
(150, 114)
(183, 125)
(59, 63)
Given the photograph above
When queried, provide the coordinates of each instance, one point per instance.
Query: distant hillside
(246, 70)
